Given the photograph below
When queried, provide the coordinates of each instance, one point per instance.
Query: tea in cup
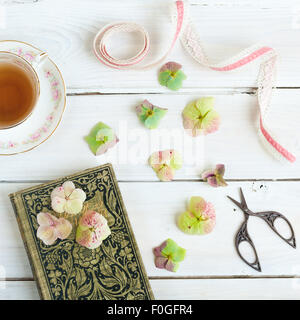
(19, 88)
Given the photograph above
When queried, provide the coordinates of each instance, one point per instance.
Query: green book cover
(69, 271)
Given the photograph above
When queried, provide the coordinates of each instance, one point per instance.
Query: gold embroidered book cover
(69, 271)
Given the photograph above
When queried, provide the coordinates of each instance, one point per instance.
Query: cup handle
(39, 60)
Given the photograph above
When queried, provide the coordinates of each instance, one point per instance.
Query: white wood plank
(65, 29)
(236, 144)
(201, 289)
(153, 209)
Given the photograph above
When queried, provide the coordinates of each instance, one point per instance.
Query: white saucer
(47, 113)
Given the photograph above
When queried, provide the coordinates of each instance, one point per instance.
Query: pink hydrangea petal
(213, 126)
(197, 206)
(106, 146)
(165, 173)
(46, 219)
(157, 250)
(83, 237)
(191, 127)
(92, 229)
(207, 174)
(171, 266)
(147, 104)
(58, 192)
(69, 187)
(47, 234)
(209, 225)
(212, 181)
(160, 262)
(220, 169)
(171, 66)
(58, 204)
(209, 211)
(64, 228)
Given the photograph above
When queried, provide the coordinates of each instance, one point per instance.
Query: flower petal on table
(213, 181)
(165, 173)
(175, 160)
(160, 262)
(187, 222)
(220, 169)
(171, 66)
(172, 266)
(197, 206)
(208, 173)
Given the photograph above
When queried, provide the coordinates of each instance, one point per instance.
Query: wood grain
(153, 209)
(204, 289)
(212, 270)
(236, 144)
(65, 29)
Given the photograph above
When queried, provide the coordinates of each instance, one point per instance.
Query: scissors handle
(243, 236)
(270, 217)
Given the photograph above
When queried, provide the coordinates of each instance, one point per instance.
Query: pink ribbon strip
(191, 42)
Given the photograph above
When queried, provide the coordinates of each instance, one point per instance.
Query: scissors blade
(244, 203)
(236, 202)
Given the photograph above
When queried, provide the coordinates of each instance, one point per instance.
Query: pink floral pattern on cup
(56, 98)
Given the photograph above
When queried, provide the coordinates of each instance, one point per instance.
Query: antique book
(69, 271)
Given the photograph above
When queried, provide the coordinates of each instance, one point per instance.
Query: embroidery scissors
(269, 217)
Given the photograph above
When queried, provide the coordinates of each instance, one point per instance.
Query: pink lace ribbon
(189, 38)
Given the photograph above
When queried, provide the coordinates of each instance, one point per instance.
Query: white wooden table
(212, 269)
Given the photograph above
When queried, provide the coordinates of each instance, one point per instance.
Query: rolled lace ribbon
(185, 30)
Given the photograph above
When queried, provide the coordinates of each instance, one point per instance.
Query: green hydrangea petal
(164, 77)
(105, 135)
(175, 83)
(173, 251)
(191, 111)
(176, 161)
(93, 143)
(171, 246)
(205, 104)
(187, 222)
(171, 78)
(152, 121)
(100, 135)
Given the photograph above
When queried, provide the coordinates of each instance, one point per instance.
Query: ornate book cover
(69, 271)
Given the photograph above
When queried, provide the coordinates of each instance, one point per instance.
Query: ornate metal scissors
(269, 217)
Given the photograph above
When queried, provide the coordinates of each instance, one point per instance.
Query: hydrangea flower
(168, 255)
(215, 177)
(101, 138)
(171, 76)
(199, 117)
(149, 114)
(92, 230)
(199, 219)
(165, 163)
(67, 198)
(51, 228)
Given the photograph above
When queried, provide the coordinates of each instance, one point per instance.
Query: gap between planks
(71, 92)
(174, 181)
(188, 278)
